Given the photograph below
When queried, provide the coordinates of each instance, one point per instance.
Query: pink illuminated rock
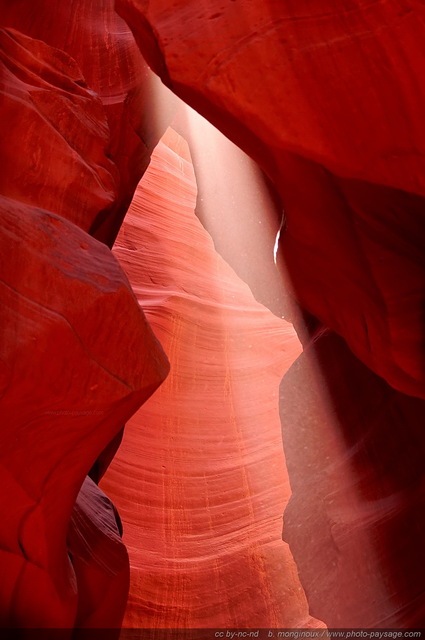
(200, 479)
(239, 208)
(328, 100)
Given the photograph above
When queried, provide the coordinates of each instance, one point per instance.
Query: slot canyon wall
(205, 540)
(327, 99)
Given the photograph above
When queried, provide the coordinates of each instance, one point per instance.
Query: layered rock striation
(200, 479)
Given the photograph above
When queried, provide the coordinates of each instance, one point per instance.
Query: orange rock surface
(200, 479)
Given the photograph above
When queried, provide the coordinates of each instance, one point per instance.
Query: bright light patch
(276, 243)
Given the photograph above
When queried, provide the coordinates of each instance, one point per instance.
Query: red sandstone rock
(73, 148)
(55, 135)
(200, 479)
(77, 358)
(137, 107)
(328, 102)
(355, 460)
(320, 96)
(98, 559)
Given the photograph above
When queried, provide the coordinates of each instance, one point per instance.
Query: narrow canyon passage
(326, 99)
(200, 479)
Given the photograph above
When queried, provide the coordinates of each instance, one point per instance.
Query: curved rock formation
(68, 385)
(200, 479)
(341, 114)
(68, 320)
(327, 99)
(48, 110)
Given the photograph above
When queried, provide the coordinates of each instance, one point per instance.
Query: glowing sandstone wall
(200, 479)
(327, 98)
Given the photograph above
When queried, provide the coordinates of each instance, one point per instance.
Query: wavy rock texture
(136, 107)
(47, 110)
(200, 479)
(341, 113)
(327, 99)
(99, 560)
(355, 461)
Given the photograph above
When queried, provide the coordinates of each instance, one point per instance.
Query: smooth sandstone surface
(66, 389)
(355, 519)
(200, 479)
(326, 98)
(68, 385)
(240, 209)
(69, 317)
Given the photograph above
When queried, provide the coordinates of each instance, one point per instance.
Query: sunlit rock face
(200, 479)
(327, 101)
(240, 209)
(355, 460)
